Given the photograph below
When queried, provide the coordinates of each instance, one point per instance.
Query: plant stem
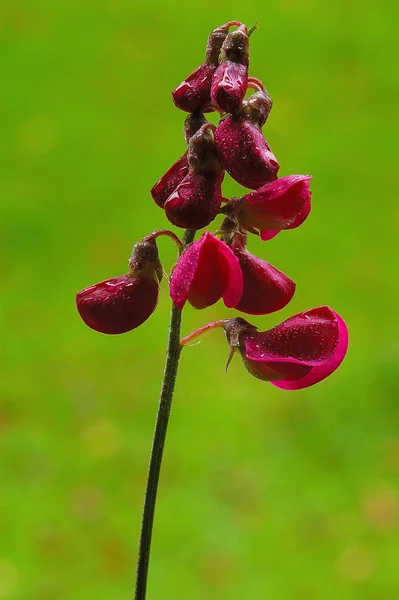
(168, 385)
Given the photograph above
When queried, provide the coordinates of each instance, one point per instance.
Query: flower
(229, 82)
(197, 199)
(206, 271)
(194, 93)
(296, 354)
(242, 149)
(281, 204)
(120, 304)
(265, 288)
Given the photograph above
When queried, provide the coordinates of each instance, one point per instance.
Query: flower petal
(206, 271)
(266, 289)
(281, 204)
(119, 304)
(305, 348)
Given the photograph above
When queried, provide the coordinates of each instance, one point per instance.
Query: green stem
(168, 385)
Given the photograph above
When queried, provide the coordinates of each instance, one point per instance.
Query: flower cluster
(302, 350)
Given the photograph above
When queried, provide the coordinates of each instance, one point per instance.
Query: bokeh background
(264, 493)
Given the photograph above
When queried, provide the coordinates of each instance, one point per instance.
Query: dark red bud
(215, 43)
(121, 304)
(229, 82)
(236, 47)
(244, 152)
(229, 85)
(194, 93)
(202, 152)
(196, 201)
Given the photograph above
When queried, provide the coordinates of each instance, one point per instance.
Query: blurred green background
(264, 493)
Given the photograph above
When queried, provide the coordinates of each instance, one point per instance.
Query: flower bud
(296, 354)
(229, 82)
(194, 92)
(161, 191)
(206, 271)
(122, 303)
(197, 200)
(244, 152)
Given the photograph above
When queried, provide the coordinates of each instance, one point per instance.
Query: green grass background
(264, 494)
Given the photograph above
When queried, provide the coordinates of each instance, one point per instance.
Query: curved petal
(205, 272)
(235, 283)
(318, 373)
(119, 304)
(269, 234)
(183, 274)
(266, 289)
(316, 340)
(277, 205)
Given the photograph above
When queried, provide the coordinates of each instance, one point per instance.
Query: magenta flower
(122, 303)
(197, 200)
(265, 289)
(229, 82)
(206, 271)
(281, 204)
(296, 354)
(244, 152)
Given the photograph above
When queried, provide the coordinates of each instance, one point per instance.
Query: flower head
(296, 354)
(120, 304)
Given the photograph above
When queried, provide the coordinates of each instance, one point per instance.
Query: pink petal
(269, 234)
(321, 372)
(315, 341)
(205, 272)
(281, 204)
(119, 304)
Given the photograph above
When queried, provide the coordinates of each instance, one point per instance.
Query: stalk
(168, 385)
